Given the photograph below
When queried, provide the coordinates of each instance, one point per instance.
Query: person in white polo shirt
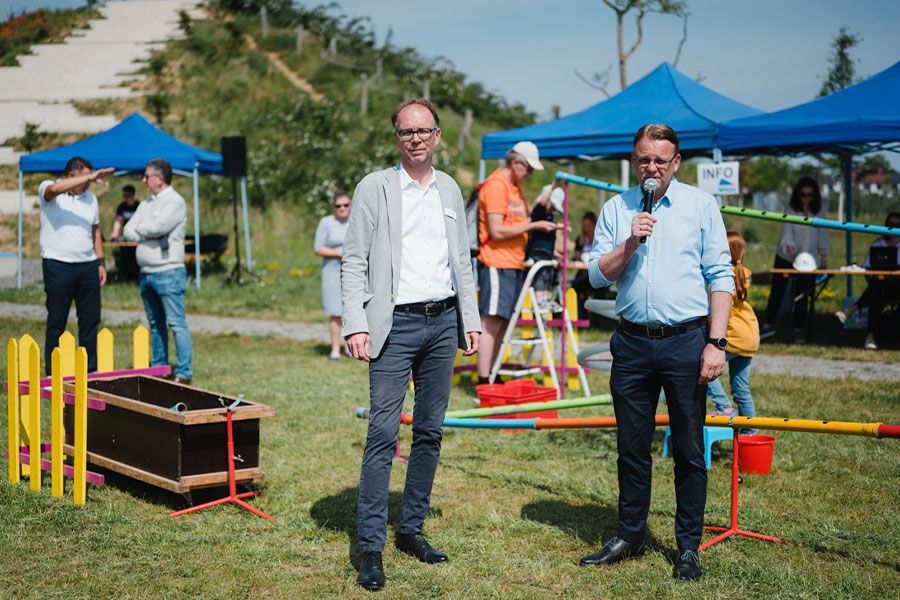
(72, 255)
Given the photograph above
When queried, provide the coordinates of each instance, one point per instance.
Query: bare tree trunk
(363, 94)
(465, 131)
(263, 21)
(379, 67)
(301, 33)
(426, 89)
(684, 35)
(332, 46)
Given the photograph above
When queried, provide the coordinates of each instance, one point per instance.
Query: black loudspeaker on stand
(234, 166)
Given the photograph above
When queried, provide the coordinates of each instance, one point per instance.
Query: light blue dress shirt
(666, 280)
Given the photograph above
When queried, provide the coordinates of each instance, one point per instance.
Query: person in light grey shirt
(158, 226)
(329, 245)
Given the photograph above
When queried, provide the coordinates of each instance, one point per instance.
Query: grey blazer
(370, 267)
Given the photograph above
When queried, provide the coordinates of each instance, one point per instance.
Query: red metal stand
(733, 529)
(232, 496)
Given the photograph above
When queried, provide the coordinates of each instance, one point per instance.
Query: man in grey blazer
(408, 304)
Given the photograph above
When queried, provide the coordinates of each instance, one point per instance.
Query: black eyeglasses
(407, 134)
(645, 161)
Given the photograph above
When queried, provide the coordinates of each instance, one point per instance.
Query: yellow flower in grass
(272, 266)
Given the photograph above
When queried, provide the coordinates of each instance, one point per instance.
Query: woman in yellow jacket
(743, 339)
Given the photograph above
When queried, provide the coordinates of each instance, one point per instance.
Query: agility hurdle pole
(811, 221)
(363, 413)
(766, 215)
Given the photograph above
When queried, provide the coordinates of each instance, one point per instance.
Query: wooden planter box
(141, 436)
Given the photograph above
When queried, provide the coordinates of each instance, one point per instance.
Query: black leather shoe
(371, 571)
(687, 567)
(613, 551)
(415, 544)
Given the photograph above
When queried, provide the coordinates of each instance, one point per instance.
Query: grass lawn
(515, 511)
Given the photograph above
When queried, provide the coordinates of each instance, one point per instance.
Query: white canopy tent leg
(246, 225)
(196, 227)
(21, 210)
(482, 170)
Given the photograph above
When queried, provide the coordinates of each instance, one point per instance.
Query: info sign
(719, 179)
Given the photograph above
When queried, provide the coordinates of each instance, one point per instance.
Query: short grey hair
(162, 168)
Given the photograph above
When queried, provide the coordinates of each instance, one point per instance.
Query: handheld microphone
(649, 188)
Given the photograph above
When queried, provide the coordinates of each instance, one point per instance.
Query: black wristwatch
(719, 343)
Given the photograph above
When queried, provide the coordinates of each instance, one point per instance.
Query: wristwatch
(719, 343)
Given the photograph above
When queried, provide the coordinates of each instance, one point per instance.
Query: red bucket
(755, 453)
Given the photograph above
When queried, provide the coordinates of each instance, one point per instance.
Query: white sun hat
(557, 197)
(529, 152)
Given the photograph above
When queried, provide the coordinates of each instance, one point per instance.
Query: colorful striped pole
(876, 430)
(752, 213)
(811, 221)
(530, 407)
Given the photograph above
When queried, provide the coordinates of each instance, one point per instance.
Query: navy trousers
(641, 366)
(426, 347)
(64, 282)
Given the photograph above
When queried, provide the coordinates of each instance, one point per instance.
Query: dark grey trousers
(641, 366)
(425, 347)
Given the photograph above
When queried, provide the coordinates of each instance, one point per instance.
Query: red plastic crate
(520, 391)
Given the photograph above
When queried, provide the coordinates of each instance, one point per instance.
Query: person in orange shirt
(503, 225)
(743, 340)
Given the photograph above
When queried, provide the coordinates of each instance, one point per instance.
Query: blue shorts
(498, 290)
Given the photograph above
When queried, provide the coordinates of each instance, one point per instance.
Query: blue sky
(770, 54)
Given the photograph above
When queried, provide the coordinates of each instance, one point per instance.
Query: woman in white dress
(329, 245)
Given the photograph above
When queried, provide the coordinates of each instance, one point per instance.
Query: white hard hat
(805, 262)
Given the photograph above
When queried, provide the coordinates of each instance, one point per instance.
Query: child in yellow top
(743, 339)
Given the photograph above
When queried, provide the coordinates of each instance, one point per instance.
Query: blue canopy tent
(861, 118)
(127, 147)
(607, 129)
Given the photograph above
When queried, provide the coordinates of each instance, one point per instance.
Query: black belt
(429, 309)
(663, 331)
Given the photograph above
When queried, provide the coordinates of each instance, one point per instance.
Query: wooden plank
(180, 486)
(194, 482)
(133, 472)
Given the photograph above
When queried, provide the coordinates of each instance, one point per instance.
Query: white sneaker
(334, 355)
(841, 316)
(870, 343)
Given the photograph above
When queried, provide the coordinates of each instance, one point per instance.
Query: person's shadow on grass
(338, 513)
(590, 523)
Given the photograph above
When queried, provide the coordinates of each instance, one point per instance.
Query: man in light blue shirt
(673, 301)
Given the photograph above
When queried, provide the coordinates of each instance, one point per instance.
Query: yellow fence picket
(67, 354)
(56, 425)
(105, 345)
(141, 348)
(34, 418)
(25, 343)
(12, 409)
(80, 479)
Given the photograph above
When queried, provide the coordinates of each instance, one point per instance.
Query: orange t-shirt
(498, 195)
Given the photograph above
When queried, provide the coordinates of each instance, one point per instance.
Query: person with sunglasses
(158, 226)
(328, 244)
(672, 269)
(408, 303)
(806, 201)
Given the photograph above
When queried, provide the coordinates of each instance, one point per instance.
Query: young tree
(641, 8)
(842, 68)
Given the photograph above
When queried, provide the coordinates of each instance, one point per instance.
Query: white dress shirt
(424, 260)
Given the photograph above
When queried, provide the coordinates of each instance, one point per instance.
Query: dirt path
(297, 81)
(793, 366)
